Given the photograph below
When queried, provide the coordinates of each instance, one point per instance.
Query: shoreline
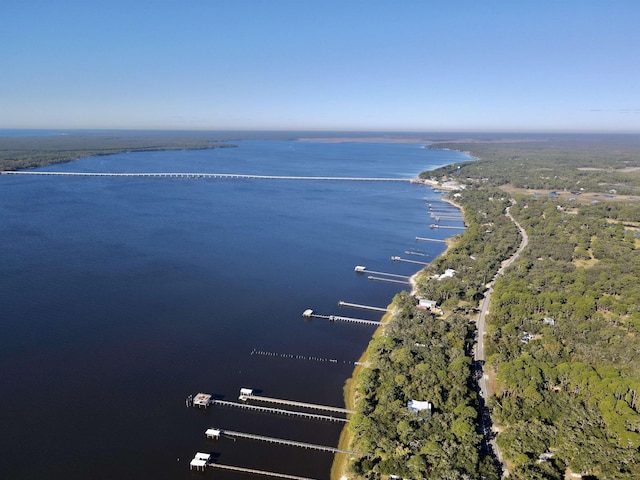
(339, 468)
(23, 153)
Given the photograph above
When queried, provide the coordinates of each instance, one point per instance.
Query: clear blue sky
(569, 65)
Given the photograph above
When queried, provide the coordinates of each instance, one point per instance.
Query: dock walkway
(293, 403)
(338, 318)
(364, 307)
(423, 239)
(388, 280)
(257, 472)
(278, 411)
(406, 260)
(282, 441)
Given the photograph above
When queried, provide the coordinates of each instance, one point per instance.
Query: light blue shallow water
(121, 296)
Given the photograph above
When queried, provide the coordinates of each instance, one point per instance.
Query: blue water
(121, 296)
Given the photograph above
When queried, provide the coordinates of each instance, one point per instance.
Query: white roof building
(200, 461)
(427, 304)
(202, 400)
(418, 405)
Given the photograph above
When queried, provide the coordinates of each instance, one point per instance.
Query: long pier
(234, 176)
(423, 239)
(389, 280)
(406, 260)
(440, 213)
(283, 441)
(257, 472)
(278, 411)
(436, 226)
(293, 403)
(363, 307)
(417, 254)
(338, 318)
(361, 269)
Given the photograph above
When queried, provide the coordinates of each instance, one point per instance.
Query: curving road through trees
(484, 386)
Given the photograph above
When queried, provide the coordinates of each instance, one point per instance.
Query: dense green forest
(563, 340)
(563, 334)
(576, 164)
(19, 152)
(418, 358)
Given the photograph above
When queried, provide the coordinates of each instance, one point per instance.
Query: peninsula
(46, 148)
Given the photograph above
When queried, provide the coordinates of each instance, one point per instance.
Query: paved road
(479, 354)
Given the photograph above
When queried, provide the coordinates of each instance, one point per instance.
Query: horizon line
(329, 130)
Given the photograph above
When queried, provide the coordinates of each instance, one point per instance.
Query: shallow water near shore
(121, 296)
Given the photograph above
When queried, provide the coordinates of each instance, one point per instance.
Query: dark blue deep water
(121, 296)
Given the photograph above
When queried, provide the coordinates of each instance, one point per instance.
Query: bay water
(121, 296)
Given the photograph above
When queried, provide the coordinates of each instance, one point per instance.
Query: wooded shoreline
(21, 152)
(563, 326)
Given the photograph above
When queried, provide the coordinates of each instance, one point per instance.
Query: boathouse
(200, 461)
(202, 400)
(246, 392)
(213, 433)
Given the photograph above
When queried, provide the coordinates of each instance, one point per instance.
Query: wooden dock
(293, 403)
(282, 441)
(450, 227)
(423, 239)
(337, 318)
(363, 307)
(257, 472)
(384, 274)
(277, 411)
(389, 280)
(406, 260)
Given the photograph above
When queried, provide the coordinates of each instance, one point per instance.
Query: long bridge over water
(235, 176)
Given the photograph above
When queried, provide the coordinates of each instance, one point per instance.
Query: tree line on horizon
(18, 152)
